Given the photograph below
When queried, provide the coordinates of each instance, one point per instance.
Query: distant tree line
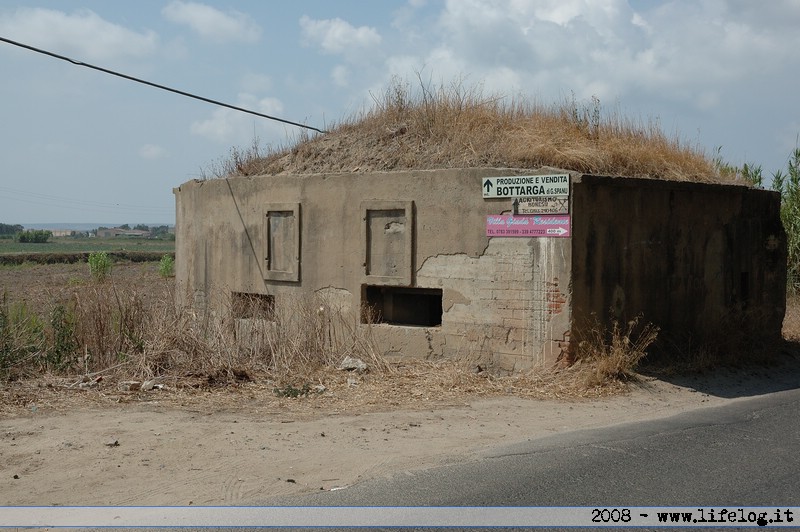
(10, 230)
(156, 231)
(38, 236)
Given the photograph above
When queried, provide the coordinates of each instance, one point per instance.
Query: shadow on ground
(778, 371)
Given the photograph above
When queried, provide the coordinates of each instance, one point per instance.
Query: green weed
(788, 184)
(166, 266)
(99, 265)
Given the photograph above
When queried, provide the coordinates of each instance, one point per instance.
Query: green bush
(36, 236)
(99, 265)
(788, 184)
(166, 267)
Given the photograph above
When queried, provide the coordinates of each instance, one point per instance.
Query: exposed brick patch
(554, 297)
(565, 356)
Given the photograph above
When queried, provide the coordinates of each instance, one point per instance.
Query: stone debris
(129, 386)
(353, 364)
(135, 386)
(88, 382)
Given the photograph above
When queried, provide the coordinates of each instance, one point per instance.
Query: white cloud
(341, 75)
(220, 127)
(152, 152)
(83, 34)
(694, 53)
(227, 126)
(338, 37)
(213, 24)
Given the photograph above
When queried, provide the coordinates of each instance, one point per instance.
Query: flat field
(79, 245)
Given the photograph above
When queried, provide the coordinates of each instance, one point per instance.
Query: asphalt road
(746, 453)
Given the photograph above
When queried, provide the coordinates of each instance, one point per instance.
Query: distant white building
(116, 231)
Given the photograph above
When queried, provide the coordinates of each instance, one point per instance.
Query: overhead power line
(156, 85)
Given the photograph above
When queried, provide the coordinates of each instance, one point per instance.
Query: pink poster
(531, 226)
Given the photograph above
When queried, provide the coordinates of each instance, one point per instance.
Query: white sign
(526, 186)
(541, 205)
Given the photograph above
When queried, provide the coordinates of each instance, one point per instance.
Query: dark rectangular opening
(401, 305)
(252, 306)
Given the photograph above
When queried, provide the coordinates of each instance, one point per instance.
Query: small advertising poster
(556, 226)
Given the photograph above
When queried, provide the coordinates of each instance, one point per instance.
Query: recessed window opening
(401, 305)
(252, 306)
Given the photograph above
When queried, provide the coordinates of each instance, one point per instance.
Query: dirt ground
(213, 451)
(64, 442)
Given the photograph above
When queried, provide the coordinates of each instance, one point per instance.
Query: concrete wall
(694, 259)
(698, 260)
(505, 301)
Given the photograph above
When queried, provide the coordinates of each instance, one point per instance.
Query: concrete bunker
(437, 266)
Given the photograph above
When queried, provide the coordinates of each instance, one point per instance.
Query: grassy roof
(458, 127)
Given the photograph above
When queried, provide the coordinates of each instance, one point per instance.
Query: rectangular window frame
(282, 275)
(407, 268)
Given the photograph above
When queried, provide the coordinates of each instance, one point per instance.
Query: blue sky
(80, 146)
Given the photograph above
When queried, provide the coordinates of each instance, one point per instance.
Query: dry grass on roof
(458, 127)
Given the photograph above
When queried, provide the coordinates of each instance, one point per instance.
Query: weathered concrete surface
(698, 260)
(513, 300)
(690, 258)
(505, 302)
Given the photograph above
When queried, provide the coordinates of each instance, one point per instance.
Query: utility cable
(156, 85)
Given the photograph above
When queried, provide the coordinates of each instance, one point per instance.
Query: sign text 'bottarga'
(526, 186)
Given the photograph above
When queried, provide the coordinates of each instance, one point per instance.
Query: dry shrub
(791, 320)
(110, 325)
(615, 354)
(304, 333)
(117, 331)
(21, 338)
(133, 330)
(457, 126)
(293, 341)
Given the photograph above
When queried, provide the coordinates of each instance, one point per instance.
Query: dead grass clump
(125, 340)
(290, 342)
(111, 330)
(791, 320)
(614, 355)
(302, 334)
(457, 126)
(110, 325)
